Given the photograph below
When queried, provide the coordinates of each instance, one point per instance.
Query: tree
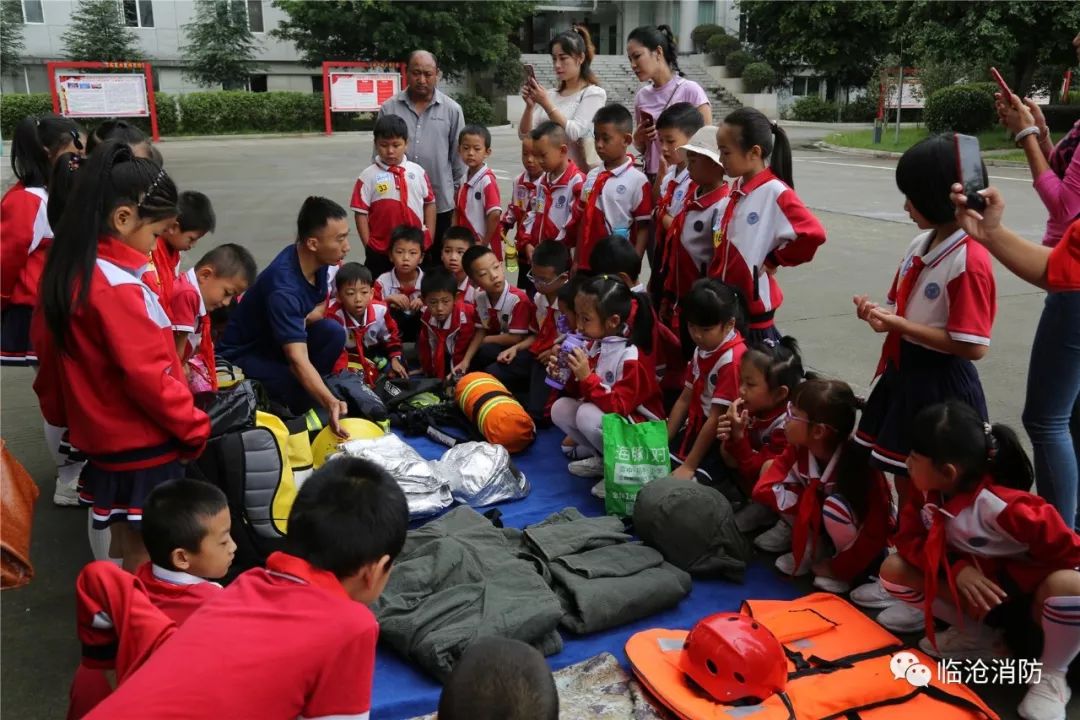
(845, 41)
(1017, 37)
(11, 35)
(98, 33)
(220, 49)
(462, 35)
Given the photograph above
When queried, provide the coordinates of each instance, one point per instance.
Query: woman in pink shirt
(652, 54)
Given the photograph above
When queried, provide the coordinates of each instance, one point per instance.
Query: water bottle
(561, 375)
(623, 232)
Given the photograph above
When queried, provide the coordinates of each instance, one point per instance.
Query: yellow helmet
(326, 442)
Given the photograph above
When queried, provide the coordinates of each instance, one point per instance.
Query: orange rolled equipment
(489, 405)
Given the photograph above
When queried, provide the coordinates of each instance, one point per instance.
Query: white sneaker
(66, 493)
(970, 643)
(598, 490)
(590, 467)
(873, 595)
(578, 452)
(786, 564)
(1046, 699)
(902, 618)
(754, 516)
(832, 585)
(776, 539)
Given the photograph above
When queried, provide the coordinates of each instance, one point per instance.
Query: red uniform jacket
(439, 343)
(620, 382)
(23, 243)
(763, 440)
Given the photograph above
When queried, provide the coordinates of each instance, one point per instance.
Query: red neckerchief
(301, 570)
(597, 189)
(739, 190)
(935, 550)
(807, 526)
(761, 425)
(206, 351)
(890, 350)
(398, 171)
(564, 179)
(370, 372)
(674, 235)
(165, 260)
(440, 336)
(669, 194)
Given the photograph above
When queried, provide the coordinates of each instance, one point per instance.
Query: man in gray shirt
(434, 120)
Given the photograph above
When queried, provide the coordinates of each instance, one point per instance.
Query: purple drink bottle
(561, 375)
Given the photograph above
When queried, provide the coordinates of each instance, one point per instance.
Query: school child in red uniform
(712, 383)
(616, 197)
(447, 324)
(196, 219)
(608, 377)
(762, 223)
(27, 235)
(823, 487)
(675, 127)
(399, 287)
(371, 332)
(220, 275)
(550, 273)
(300, 637)
(751, 432)
(972, 537)
(688, 244)
(521, 212)
(937, 320)
(109, 369)
(456, 242)
(391, 192)
(479, 206)
(559, 192)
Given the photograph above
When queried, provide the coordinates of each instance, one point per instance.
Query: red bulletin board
(359, 86)
(91, 83)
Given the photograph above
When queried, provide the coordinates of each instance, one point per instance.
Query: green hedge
(965, 109)
(813, 109)
(476, 109)
(14, 107)
(862, 109)
(759, 76)
(720, 46)
(737, 61)
(700, 35)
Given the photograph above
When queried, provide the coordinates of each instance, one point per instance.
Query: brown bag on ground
(18, 493)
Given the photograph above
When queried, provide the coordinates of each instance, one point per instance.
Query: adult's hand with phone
(978, 224)
(1015, 114)
(644, 133)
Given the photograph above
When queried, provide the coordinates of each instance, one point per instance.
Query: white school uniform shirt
(477, 198)
(376, 189)
(625, 197)
(681, 180)
(388, 284)
(557, 203)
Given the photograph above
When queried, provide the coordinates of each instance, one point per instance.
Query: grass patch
(995, 139)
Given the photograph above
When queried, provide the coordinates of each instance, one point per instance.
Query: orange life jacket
(838, 668)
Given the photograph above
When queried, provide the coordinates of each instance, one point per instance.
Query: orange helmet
(734, 657)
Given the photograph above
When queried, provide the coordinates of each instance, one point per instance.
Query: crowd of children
(121, 336)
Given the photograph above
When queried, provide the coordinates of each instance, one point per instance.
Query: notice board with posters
(361, 86)
(89, 89)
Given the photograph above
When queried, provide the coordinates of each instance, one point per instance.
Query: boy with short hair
(551, 271)
(186, 528)
(506, 323)
(674, 128)
(522, 212)
(447, 324)
(196, 219)
(391, 192)
(456, 242)
(616, 197)
(500, 679)
(478, 204)
(306, 612)
(220, 275)
(399, 287)
(371, 333)
(560, 188)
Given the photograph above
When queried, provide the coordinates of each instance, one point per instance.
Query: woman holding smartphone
(574, 102)
(653, 58)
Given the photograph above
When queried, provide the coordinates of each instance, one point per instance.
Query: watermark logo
(906, 666)
(995, 671)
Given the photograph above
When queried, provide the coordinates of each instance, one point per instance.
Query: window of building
(257, 83)
(803, 85)
(706, 13)
(316, 83)
(253, 11)
(32, 12)
(138, 13)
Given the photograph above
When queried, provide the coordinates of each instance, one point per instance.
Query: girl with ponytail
(972, 536)
(574, 102)
(609, 374)
(108, 365)
(654, 59)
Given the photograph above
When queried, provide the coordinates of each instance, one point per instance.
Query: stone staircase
(621, 84)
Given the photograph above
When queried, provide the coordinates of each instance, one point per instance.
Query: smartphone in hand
(647, 119)
(530, 71)
(970, 170)
(1005, 91)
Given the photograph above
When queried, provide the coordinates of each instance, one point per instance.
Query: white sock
(1061, 632)
(911, 596)
(100, 540)
(67, 470)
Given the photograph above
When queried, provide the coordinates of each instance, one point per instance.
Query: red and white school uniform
(1005, 533)
(521, 212)
(442, 346)
(620, 382)
(797, 487)
(672, 192)
(391, 196)
(377, 331)
(557, 204)
(762, 224)
(119, 388)
(163, 270)
(547, 320)
(176, 593)
(611, 200)
(689, 243)
(389, 284)
(289, 615)
(466, 291)
(23, 248)
(952, 288)
(763, 440)
(477, 198)
(713, 380)
(187, 311)
(513, 313)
